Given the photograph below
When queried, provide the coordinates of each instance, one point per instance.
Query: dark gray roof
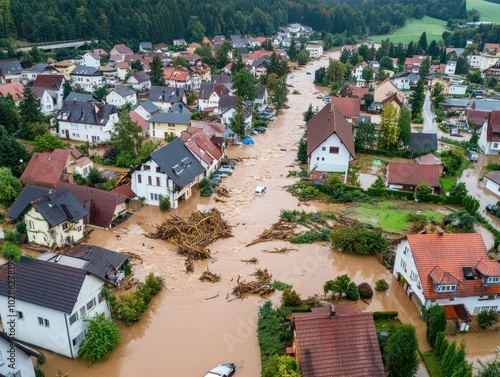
(362, 119)
(24, 199)
(149, 106)
(10, 67)
(83, 70)
(146, 45)
(221, 79)
(46, 284)
(423, 141)
(78, 97)
(101, 262)
(59, 206)
(179, 107)
(141, 77)
(399, 74)
(177, 162)
(85, 113)
(457, 102)
(486, 105)
(171, 117)
(261, 61)
(206, 89)
(166, 94)
(39, 68)
(227, 101)
(124, 91)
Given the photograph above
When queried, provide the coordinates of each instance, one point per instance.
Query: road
(429, 125)
(54, 46)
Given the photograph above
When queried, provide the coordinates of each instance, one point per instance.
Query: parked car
(327, 98)
(260, 190)
(219, 175)
(491, 208)
(226, 165)
(260, 130)
(222, 370)
(225, 170)
(472, 155)
(253, 132)
(229, 162)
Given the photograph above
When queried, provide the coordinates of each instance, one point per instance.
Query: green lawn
(387, 324)
(433, 364)
(489, 11)
(388, 215)
(414, 28)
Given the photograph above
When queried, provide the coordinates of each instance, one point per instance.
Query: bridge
(46, 46)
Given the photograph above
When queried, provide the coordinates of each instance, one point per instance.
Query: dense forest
(164, 20)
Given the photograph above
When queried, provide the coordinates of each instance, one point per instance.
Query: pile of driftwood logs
(193, 234)
(261, 286)
(279, 231)
(209, 276)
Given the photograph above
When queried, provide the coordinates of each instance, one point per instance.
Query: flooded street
(187, 331)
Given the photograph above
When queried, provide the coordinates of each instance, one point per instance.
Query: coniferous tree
(30, 107)
(67, 89)
(417, 101)
(404, 127)
(308, 114)
(156, 72)
(292, 52)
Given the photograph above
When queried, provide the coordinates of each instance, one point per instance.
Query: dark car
(260, 130)
(215, 182)
(491, 208)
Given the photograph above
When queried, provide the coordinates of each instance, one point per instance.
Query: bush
(358, 240)
(280, 366)
(487, 318)
(271, 332)
(128, 269)
(312, 236)
(422, 192)
(164, 203)
(38, 371)
(290, 298)
(385, 315)
(381, 285)
(205, 187)
(280, 286)
(10, 250)
(435, 319)
(365, 290)
(352, 292)
(102, 337)
(41, 359)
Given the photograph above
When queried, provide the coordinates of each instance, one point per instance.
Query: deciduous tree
(127, 136)
(389, 131)
(102, 337)
(336, 71)
(280, 94)
(367, 74)
(435, 319)
(245, 86)
(401, 352)
(237, 123)
(303, 57)
(10, 187)
(366, 138)
(48, 142)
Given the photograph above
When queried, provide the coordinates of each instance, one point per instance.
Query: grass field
(388, 215)
(489, 11)
(414, 28)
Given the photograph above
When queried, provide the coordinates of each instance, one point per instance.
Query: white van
(260, 190)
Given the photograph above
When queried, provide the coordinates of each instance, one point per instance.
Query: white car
(260, 190)
(222, 370)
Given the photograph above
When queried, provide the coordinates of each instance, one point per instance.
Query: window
(322, 159)
(65, 225)
(413, 276)
(158, 169)
(323, 149)
(139, 178)
(171, 125)
(334, 150)
(100, 297)
(446, 288)
(79, 338)
(149, 180)
(317, 158)
(20, 315)
(73, 318)
(157, 181)
(83, 312)
(43, 322)
(403, 264)
(146, 168)
(495, 145)
(91, 304)
(31, 224)
(79, 228)
(495, 279)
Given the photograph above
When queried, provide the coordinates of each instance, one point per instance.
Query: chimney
(440, 231)
(332, 311)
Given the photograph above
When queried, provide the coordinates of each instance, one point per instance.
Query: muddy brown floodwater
(185, 333)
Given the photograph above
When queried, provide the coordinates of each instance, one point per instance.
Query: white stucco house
(489, 137)
(52, 301)
(448, 269)
(146, 109)
(451, 65)
(46, 100)
(210, 95)
(140, 81)
(457, 90)
(169, 172)
(86, 121)
(492, 180)
(91, 60)
(315, 50)
(330, 143)
(88, 78)
(121, 96)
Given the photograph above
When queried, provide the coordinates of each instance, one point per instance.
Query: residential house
(349, 90)
(476, 118)
(451, 65)
(29, 75)
(54, 85)
(407, 177)
(412, 64)
(179, 43)
(200, 145)
(164, 97)
(15, 89)
(210, 95)
(111, 75)
(80, 97)
(404, 80)
(51, 167)
(52, 302)
(474, 61)
(487, 60)
(89, 59)
(192, 59)
(146, 109)
(259, 66)
(383, 90)
(169, 172)
(23, 365)
(178, 77)
(140, 81)
(395, 100)
(457, 90)
(494, 71)
(315, 50)
(348, 107)
(262, 99)
(337, 341)
(215, 131)
(46, 100)
(171, 123)
(492, 48)
(430, 159)
(357, 72)
(489, 138)
(10, 71)
(140, 121)
(105, 264)
(330, 143)
(145, 47)
(88, 78)
(86, 121)
(192, 47)
(121, 50)
(227, 109)
(65, 67)
(200, 73)
(492, 180)
(435, 269)
(55, 219)
(121, 96)
(486, 105)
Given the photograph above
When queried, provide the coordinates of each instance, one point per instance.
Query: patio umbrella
(376, 163)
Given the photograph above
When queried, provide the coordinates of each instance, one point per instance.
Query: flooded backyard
(192, 326)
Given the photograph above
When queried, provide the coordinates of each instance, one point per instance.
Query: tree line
(162, 21)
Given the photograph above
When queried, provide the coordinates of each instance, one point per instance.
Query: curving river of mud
(186, 331)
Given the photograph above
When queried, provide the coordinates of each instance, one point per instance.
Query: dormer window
(446, 288)
(493, 279)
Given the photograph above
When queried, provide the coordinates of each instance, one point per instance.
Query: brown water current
(186, 331)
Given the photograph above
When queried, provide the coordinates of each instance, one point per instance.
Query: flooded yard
(192, 326)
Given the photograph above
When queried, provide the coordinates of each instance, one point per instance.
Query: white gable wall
(23, 363)
(322, 160)
(86, 132)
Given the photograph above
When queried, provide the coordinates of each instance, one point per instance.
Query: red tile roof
(349, 107)
(476, 117)
(135, 117)
(412, 174)
(15, 89)
(344, 346)
(451, 252)
(45, 169)
(428, 159)
(122, 49)
(359, 92)
(493, 132)
(52, 82)
(126, 190)
(100, 204)
(176, 73)
(488, 268)
(326, 122)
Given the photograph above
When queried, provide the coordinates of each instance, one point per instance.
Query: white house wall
(322, 160)
(492, 186)
(86, 132)
(23, 364)
(489, 148)
(88, 83)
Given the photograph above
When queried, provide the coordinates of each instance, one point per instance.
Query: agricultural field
(489, 11)
(414, 28)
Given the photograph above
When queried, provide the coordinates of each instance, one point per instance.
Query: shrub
(417, 218)
(205, 187)
(487, 318)
(128, 269)
(385, 315)
(312, 236)
(290, 298)
(381, 285)
(280, 366)
(280, 286)
(164, 203)
(102, 337)
(352, 291)
(422, 192)
(365, 290)
(358, 240)
(10, 250)
(435, 319)
(272, 335)
(38, 371)
(41, 359)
